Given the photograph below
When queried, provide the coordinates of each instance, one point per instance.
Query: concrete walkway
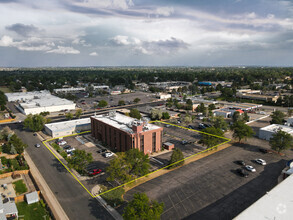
(49, 196)
(110, 209)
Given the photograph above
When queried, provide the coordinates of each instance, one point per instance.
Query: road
(76, 202)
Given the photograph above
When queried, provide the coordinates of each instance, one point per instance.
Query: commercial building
(69, 90)
(64, 128)
(37, 102)
(224, 113)
(267, 132)
(102, 87)
(266, 98)
(163, 96)
(169, 86)
(122, 133)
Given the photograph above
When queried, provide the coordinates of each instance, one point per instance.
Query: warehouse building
(122, 133)
(40, 101)
(64, 128)
(69, 90)
(267, 132)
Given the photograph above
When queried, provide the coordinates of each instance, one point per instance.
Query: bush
(63, 154)
(4, 160)
(114, 197)
(56, 147)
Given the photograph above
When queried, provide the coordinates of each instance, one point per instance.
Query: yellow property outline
(45, 143)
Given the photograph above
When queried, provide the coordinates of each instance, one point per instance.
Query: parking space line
(94, 196)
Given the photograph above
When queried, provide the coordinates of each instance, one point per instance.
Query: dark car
(240, 162)
(35, 134)
(207, 125)
(102, 151)
(67, 147)
(191, 127)
(263, 150)
(95, 172)
(242, 173)
(201, 126)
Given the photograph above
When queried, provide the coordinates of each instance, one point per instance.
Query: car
(201, 126)
(250, 168)
(69, 154)
(60, 143)
(37, 145)
(108, 154)
(178, 122)
(95, 172)
(263, 150)
(167, 126)
(70, 150)
(242, 172)
(67, 147)
(184, 142)
(261, 161)
(207, 125)
(35, 134)
(240, 162)
(200, 117)
(191, 127)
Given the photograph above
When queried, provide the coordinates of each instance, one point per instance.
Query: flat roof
(276, 127)
(67, 124)
(122, 122)
(276, 204)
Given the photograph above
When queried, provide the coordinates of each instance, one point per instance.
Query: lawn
(5, 89)
(33, 211)
(19, 187)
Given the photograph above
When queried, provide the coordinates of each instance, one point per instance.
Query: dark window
(154, 142)
(142, 143)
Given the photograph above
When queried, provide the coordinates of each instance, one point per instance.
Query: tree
(69, 116)
(219, 122)
(236, 116)
(102, 104)
(34, 122)
(176, 156)
(134, 113)
(245, 117)
(136, 100)
(187, 118)
(290, 112)
(277, 117)
(128, 165)
(156, 114)
(214, 139)
(165, 115)
(80, 160)
(16, 144)
(189, 102)
(142, 208)
(281, 141)
(121, 102)
(212, 107)
(242, 130)
(78, 113)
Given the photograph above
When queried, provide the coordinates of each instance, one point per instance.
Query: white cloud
(109, 4)
(165, 11)
(93, 54)
(120, 40)
(64, 50)
(6, 41)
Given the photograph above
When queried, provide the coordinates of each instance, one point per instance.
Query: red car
(95, 172)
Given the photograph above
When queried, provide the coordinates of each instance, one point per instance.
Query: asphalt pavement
(76, 202)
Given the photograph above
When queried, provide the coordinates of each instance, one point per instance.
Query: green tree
(236, 116)
(241, 131)
(78, 113)
(245, 117)
(165, 115)
(186, 118)
(140, 207)
(69, 116)
(277, 117)
(80, 160)
(290, 112)
(118, 169)
(156, 114)
(212, 107)
(214, 139)
(189, 102)
(102, 104)
(134, 113)
(138, 162)
(281, 141)
(121, 102)
(17, 144)
(176, 156)
(34, 122)
(136, 100)
(219, 122)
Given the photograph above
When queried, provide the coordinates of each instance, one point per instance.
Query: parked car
(184, 142)
(261, 162)
(242, 172)
(66, 147)
(191, 127)
(207, 125)
(60, 143)
(95, 172)
(108, 154)
(102, 151)
(35, 134)
(200, 117)
(167, 126)
(37, 145)
(250, 168)
(201, 126)
(69, 154)
(240, 162)
(263, 150)
(70, 150)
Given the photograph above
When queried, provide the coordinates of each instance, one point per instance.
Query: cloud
(168, 46)
(106, 4)
(6, 41)
(64, 50)
(93, 54)
(23, 30)
(78, 41)
(165, 11)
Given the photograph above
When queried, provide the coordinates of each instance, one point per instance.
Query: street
(76, 202)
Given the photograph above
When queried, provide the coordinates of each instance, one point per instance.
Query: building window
(154, 142)
(142, 143)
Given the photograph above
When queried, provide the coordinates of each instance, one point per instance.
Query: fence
(4, 175)
(22, 197)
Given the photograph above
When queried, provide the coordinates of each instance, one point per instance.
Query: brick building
(122, 133)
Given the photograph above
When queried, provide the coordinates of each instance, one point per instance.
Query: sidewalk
(49, 196)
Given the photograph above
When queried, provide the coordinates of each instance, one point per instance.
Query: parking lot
(112, 100)
(210, 188)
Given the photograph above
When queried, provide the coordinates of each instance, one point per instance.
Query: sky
(62, 33)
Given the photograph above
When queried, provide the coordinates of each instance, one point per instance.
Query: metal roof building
(267, 132)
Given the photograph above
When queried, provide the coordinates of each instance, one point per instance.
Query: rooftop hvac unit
(112, 114)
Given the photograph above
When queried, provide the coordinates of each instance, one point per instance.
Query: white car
(37, 145)
(60, 143)
(108, 154)
(250, 168)
(70, 150)
(261, 162)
